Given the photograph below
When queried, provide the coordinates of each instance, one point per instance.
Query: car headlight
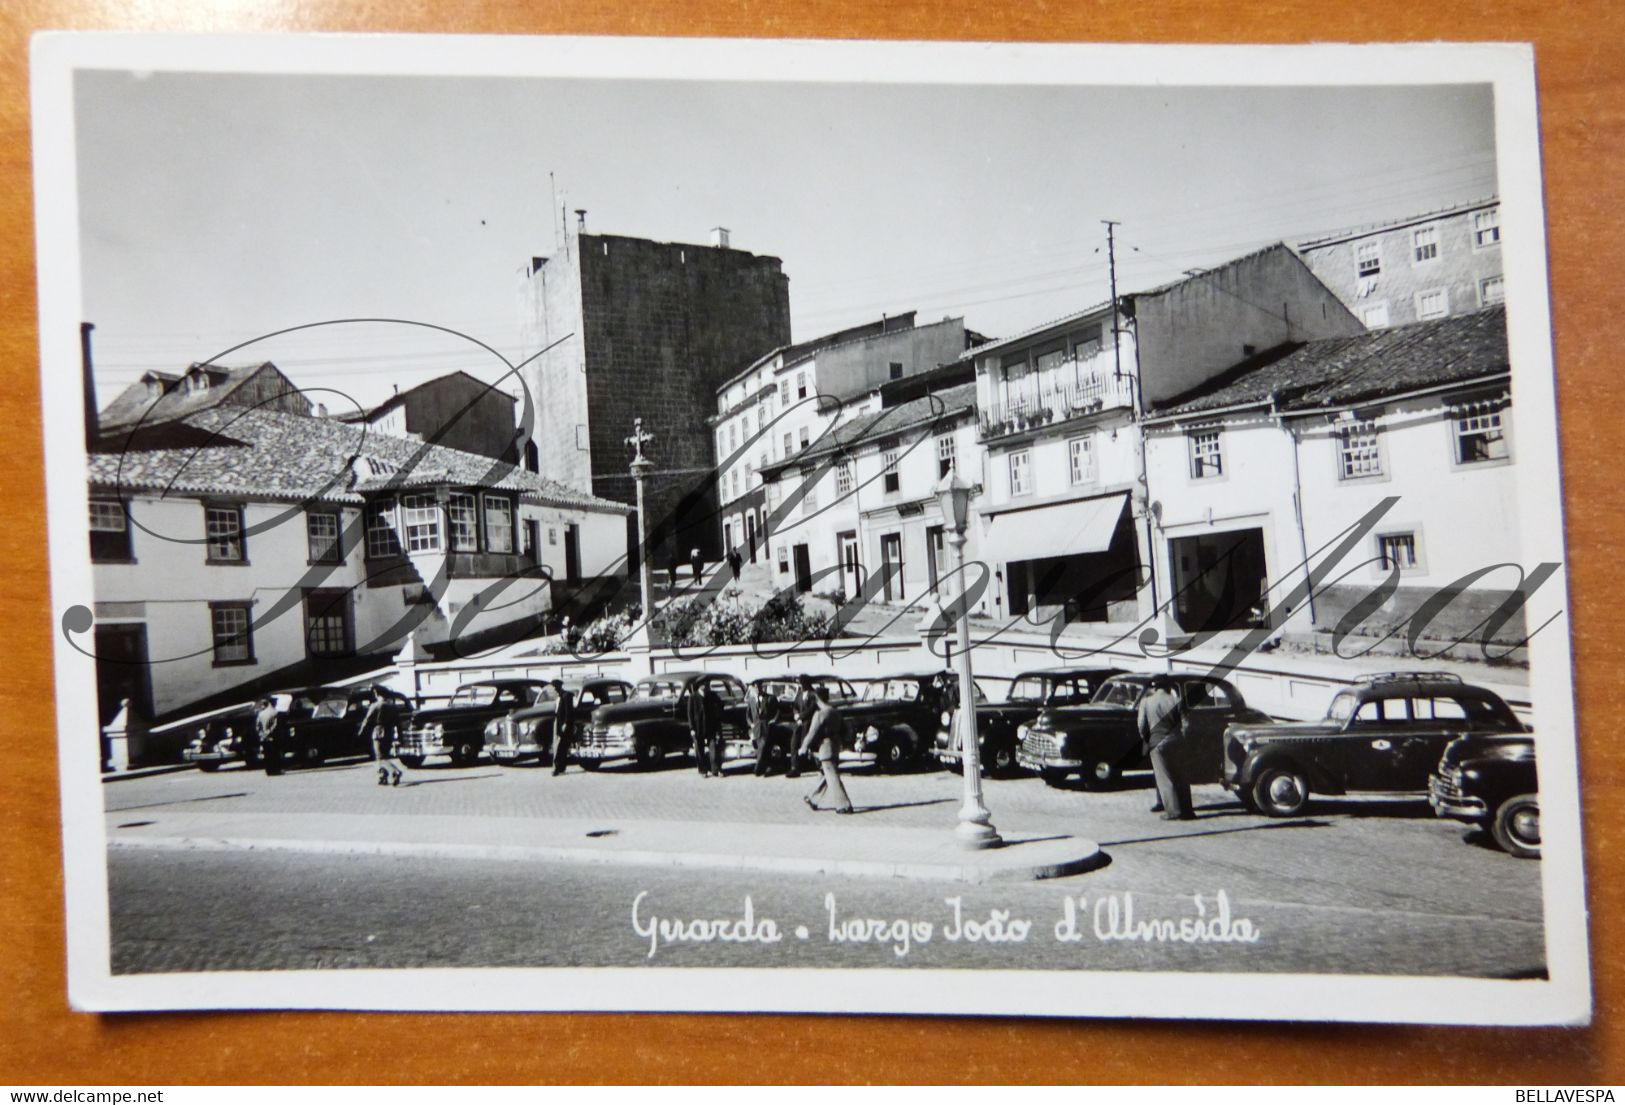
(947, 718)
(493, 729)
(435, 730)
(621, 730)
(1470, 773)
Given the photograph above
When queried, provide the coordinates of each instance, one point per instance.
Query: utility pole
(1111, 268)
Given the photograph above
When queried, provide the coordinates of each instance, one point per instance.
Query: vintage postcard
(573, 524)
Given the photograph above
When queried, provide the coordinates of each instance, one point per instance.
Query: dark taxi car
(231, 736)
(1489, 780)
(895, 722)
(1383, 735)
(997, 722)
(325, 722)
(786, 688)
(652, 724)
(527, 733)
(457, 729)
(1101, 740)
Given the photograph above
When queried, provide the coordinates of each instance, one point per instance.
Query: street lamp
(641, 467)
(975, 828)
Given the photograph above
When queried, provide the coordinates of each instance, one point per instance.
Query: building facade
(629, 328)
(1415, 269)
(457, 411)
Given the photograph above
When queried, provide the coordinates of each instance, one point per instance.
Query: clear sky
(216, 208)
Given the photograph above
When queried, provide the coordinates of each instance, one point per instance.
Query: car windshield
(473, 695)
(331, 706)
(1029, 688)
(905, 689)
(656, 688)
(1119, 693)
(1342, 707)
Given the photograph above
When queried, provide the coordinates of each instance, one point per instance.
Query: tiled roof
(1393, 224)
(1341, 371)
(135, 404)
(263, 454)
(875, 425)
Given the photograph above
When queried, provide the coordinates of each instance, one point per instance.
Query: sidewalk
(838, 848)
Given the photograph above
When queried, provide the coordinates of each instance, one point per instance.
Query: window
(1425, 244)
(383, 539)
(1486, 228)
(1368, 259)
(896, 370)
(1375, 315)
(888, 465)
(1358, 452)
(784, 392)
(1480, 438)
(552, 535)
(420, 519)
(1397, 550)
(789, 445)
(1433, 303)
(322, 537)
(1086, 343)
(1021, 473)
(1081, 450)
(804, 437)
(233, 634)
(498, 523)
(809, 501)
(1491, 289)
(1046, 360)
(722, 442)
(465, 534)
(109, 530)
(223, 534)
(947, 454)
(327, 623)
(733, 436)
(1207, 460)
(801, 385)
(843, 479)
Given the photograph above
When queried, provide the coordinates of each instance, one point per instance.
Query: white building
(1260, 472)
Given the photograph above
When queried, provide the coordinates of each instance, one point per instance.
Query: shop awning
(1064, 529)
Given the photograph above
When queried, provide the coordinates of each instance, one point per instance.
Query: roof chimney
(719, 237)
(581, 220)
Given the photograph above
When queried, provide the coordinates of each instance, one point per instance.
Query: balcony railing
(1040, 401)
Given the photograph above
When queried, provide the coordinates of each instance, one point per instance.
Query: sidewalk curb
(1084, 856)
(145, 772)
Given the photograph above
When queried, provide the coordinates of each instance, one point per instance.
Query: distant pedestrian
(825, 730)
(696, 560)
(699, 733)
(380, 724)
(1161, 722)
(762, 708)
(267, 722)
(564, 720)
(735, 562)
(671, 569)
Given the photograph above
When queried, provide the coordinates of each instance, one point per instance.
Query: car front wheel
(649, 755)
(1102, 774)
(1281, 792)
(892, 755)
(1001, 760)
(1517, 826)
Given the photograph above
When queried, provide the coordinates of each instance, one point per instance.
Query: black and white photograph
(574, 524)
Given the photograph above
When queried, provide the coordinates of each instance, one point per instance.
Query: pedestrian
(825, 729)
(1161, 721)
(735, 562)
(762, 707)
(380, 724)
(713, 729)
(266, 723)
(696, 561)
(671, 569)
(564, 720)
(696, 727)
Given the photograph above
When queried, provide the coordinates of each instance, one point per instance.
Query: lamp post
(975, 828)
(642, 466)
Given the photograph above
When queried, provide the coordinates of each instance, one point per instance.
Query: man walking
(380, 723)
(564, 720)
(266, 723)
(762, 707)
(1161, 721)
(696, 560)
(824, 732)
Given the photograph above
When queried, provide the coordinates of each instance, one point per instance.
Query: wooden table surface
(1580, 66)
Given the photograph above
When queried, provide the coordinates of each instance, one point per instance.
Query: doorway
(1219, 580)
(933, 554)
(803, 569)
(891, 566)
(750, 534)
(572, 553)
(851, 573)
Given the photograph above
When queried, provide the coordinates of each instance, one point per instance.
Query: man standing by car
(266, 722)
(698, 732)
(824, 732)
(380, 724)
(1161, 721)
(762, 707)
(564, 719)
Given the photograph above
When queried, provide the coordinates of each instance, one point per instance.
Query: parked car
(786, 688)
(997, 722)
(652, 724)
(1100, 740)
(1490, 781)
(1385, 734)
(457, 729)
(527, 733)
(325, 722)
(895, 722)
(231, 736)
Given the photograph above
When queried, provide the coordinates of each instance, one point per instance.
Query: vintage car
(1100, 740)
(895, 723)
(527, 733)
(997, 722)
(231, 736)
(325, 722)
(786, 688)
(457, 729)
(653, 723)
(1489, 780)
(1383, 735)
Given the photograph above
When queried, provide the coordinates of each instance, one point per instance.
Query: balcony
(1044, 400)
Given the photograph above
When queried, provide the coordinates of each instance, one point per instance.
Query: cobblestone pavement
(1365, 885)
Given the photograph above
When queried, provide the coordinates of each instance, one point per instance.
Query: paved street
(1358, 886)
